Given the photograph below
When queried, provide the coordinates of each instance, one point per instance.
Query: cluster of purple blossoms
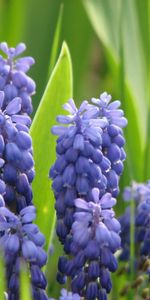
(16, 162)
(13, 78)
(140, 194)
(85, 180)
(78, 167)
(142, 223)
(96, 238)
(20, 239)
(112, 139)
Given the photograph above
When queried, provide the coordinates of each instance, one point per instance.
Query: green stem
(132, 246)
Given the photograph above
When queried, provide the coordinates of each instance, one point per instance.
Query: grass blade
(105, 19)
(55, 45)
(25, 288)
(58, 90)
(2, 277)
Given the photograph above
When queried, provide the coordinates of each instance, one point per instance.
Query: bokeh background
(109, 43)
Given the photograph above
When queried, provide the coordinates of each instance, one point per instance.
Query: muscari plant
(85, 180)
(140, 194)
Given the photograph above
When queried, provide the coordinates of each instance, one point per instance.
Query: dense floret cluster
(16, 162)
(112, 139)
(20, 239)
(139, 193)
(78, 166)
(13, 78)
(16, 89)
(95, 239)
(85, 180)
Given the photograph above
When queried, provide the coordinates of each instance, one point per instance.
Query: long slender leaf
(147, 51)
(2, 277)
(104, 17)
(25, 288)
(56, 41)
(58, 90)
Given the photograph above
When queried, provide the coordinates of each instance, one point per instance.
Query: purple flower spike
(15, 154)
(16, 89)
(20, 239)
(13, 79)
(112, 138)
(75, 171)
(95, 232)
(85, 181)
(140, 193)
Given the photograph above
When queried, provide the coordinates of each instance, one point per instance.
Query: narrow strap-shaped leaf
(25, 288)
(56, 41)
(58, 90)
(147, 51)
(2, 277)
(104, 17)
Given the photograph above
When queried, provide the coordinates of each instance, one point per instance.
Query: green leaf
(25, 288)
(106, 21)
(58, 90)
(2, 277)
(55, 45)
(12, 20)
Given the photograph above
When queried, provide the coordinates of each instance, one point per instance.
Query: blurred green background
(109, 43)
(34, 22)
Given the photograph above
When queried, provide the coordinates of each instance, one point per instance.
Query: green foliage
(112, 24)
(55, 46)
(58, 90)
(2, 277)
(25, 288)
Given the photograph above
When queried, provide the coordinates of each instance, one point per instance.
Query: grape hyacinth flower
(13, 78)
(81, 169)
(142, 222)
(77, 168)
(138, 192)
(21, 240)
(81, 161)
(16, 161)
(96, 238)
(112, 139)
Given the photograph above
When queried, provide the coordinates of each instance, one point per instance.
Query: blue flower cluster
(20, 239)
(112, 139)
(142, 222)
(16, 161)
(95, 239)
(140, 193)
(85, 180)
(13, 78)
(16, 89)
